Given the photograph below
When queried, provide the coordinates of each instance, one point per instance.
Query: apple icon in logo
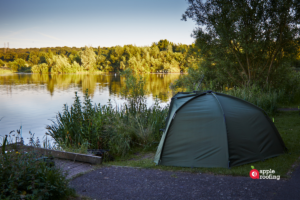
(254, 174)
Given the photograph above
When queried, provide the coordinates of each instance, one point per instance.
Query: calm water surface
(32, 100)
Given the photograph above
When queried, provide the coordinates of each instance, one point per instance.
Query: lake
(32, 100)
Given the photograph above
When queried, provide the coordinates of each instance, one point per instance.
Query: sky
(104, 23)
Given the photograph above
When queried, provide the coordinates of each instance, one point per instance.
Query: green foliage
(2, 63)
(163, 45)
(24, 175)
(60, 64)
(269, 99)
(43, 57)
(34, 59)
(188, 82)
(41, 68)
(5, 71)
(17, 65)
(163, 57)
(242, 53)
(266, 99)
(88, 58)
(118, 129)
(134, 91)
(246, 42)
(35, 69)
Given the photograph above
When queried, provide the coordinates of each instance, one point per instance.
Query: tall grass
(267, 97)
(267, 100)
(117, 129)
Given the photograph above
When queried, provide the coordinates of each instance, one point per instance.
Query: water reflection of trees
(156, 84)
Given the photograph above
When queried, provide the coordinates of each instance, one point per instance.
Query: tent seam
(225, 126)
(167, 128)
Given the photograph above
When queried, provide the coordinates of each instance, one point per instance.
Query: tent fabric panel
(251, 137)
(174, 105)
(197, 136)
(256, 107)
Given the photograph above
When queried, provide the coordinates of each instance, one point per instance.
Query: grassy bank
(130, 128)
(288, 126)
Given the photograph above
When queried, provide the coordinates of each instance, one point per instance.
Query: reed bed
(115, 128)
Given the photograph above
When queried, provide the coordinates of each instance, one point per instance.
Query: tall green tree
(246, 41)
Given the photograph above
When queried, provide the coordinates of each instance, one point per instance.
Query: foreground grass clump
(23, 177)
(288, 126)
(117, 129)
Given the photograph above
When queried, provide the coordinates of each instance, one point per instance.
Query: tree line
(163, 56)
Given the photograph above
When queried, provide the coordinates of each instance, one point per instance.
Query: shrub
(44, 68)
(76, 67)
(22, 176)
(2, 63)
(41, 68)
(17, 64)
(35, 69)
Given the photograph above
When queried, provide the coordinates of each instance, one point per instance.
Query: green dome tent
(211, 129)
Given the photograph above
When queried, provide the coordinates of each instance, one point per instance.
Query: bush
(44, 68)
(2, 63)
(35, 69)
(41, 68)
(17, 64)
(21, 176)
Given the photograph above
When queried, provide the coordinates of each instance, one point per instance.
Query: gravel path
(135, 183)
(73, 168)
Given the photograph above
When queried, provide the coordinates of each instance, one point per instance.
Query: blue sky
(105, 23)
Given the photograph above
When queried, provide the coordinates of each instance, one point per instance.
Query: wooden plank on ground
(57, 154)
